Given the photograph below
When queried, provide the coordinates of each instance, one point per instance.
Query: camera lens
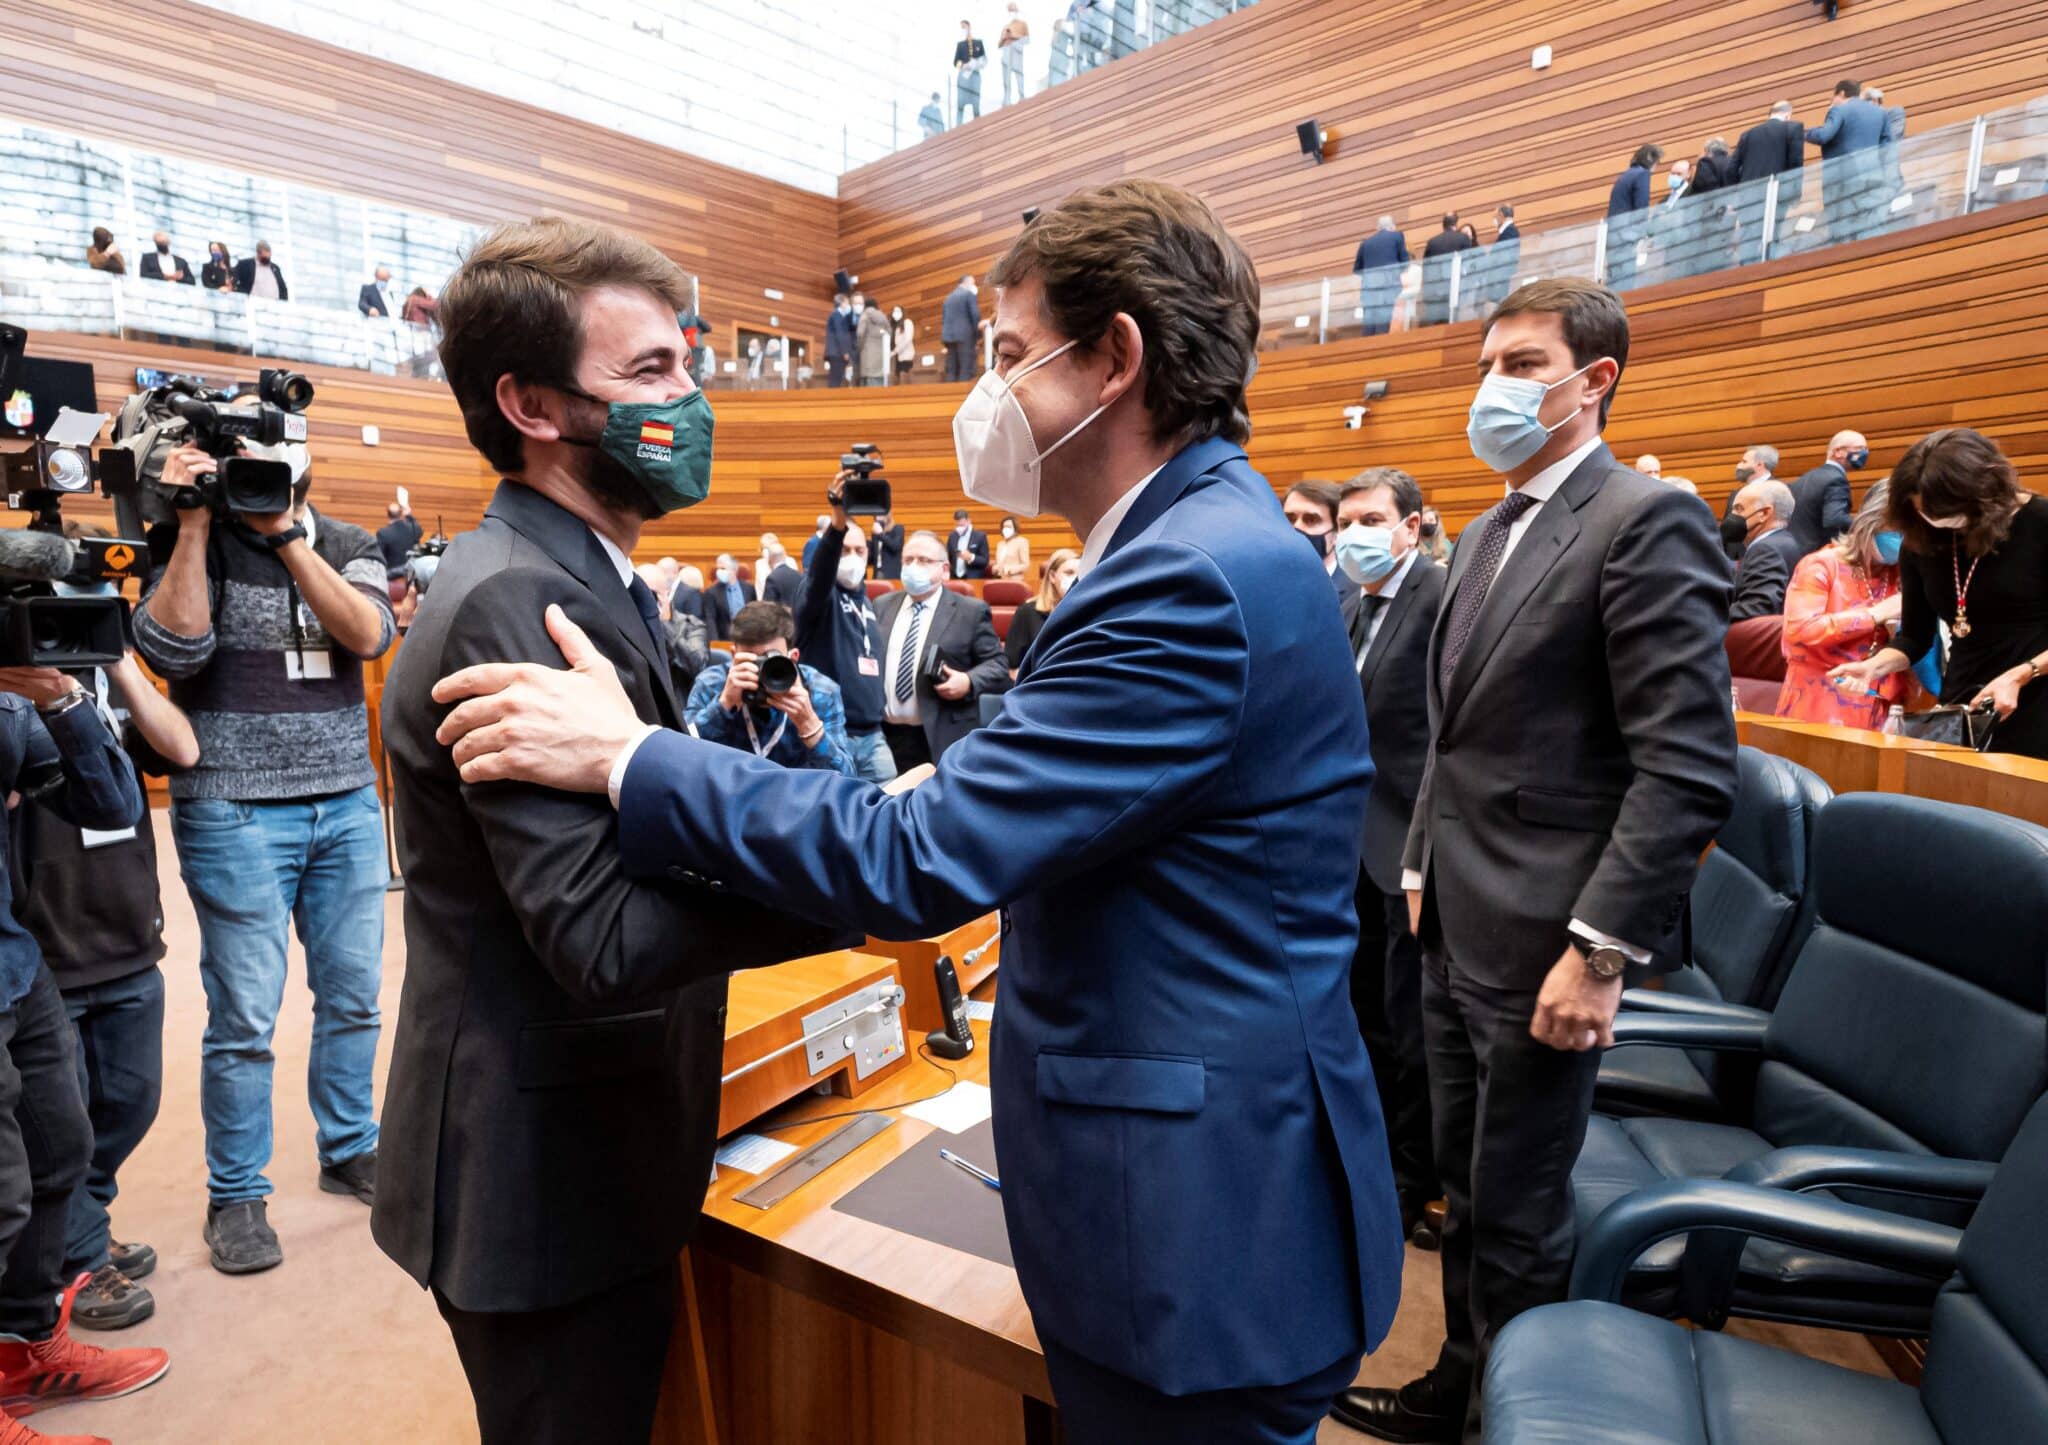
(777, 672)
(287, 389)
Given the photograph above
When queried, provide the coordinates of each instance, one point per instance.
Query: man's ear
(1602, 374)
(533, 409)
(1124, 344)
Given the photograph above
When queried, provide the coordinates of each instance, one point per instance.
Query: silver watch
(1603, 960)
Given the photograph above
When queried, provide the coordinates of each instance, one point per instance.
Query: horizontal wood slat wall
(1897, 336)
(1432, 105)
(174, 77)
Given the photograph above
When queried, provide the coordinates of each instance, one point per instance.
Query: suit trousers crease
(1509, 1118)
(1386, 993)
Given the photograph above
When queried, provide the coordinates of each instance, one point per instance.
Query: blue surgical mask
(1858, 459)
(918, 579)
(1888, 544)
(1673, 183)
(1505, 425)
(1366, 554)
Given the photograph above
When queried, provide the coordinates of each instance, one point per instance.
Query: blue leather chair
(1593, 1373)
(1752, 908)
(1913, 1021)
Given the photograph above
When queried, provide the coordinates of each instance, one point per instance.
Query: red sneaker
(35, 1376)
(13, 1432)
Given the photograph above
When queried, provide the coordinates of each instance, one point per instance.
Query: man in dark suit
(258, 275)
(1775, 146)
(553, 1096)
(966, 548)
(1851, 176)
(1377, 266)
(960, 330)
(1757, 522)
(1822, 506)
(1628, 204)
(1395, 592)
(686, 598)
(841, 330)
(887, 548)
(1436, 270)
(1583, 756)
(726, 595)
(1493, 270)
(1193, 1167)
(161, 265)
(923, 717)
(375, 297)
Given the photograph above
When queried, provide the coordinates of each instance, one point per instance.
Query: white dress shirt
(1099, 538)
(1543, 486)
(264, 283)
(1388, 591)
(915, 612)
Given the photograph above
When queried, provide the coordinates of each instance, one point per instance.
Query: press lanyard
(761, 750)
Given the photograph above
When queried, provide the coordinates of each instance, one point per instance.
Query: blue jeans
(253, 869)
(871, 756)
(120, 1028)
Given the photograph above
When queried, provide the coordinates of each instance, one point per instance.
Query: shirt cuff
(623, 761)
(1608, 940)
(1411, 880)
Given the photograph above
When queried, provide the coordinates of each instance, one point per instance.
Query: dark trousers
(835, 370)
(907, 745)
(1386, 993)
(587, 1373)
(960, 361)
(1101, 1407)
(45, 1142)
(1510, 1116)
(119, 1026)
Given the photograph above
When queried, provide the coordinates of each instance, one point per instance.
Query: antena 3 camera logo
(656, 441)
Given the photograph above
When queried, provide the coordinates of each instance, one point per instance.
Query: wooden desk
(817, 1326)
(917, 955)
(1849, 760)
(764, 1011)
(2001, 782)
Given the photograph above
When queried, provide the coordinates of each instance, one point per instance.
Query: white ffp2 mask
(999, 458)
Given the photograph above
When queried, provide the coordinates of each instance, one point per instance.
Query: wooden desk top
(956, 1304)
(1849, 760)
(2002, 782)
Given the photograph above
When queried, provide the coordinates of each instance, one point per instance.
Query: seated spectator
(689, 640)
(1975, 557)
(1842, 606)
(1062, 569)
(1013, 553)
(1311, 509)
(804, 727)
(103, 254)
(218, 274)
(420, 308)
(1760, 522)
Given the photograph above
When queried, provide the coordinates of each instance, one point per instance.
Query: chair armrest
(1658, 1001)
(1692, 1031)
(1636, 1221)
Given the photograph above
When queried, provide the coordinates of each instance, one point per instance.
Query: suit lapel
(1393, 622)
(1175, 478)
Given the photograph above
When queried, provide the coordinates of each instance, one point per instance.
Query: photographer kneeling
(801, 725)
(262, 622)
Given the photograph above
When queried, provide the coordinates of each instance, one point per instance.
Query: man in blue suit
(960, 330)
(1168, 810)
(1851, 171)
(1379, 279)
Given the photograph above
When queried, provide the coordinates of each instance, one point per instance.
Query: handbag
(1956, 725)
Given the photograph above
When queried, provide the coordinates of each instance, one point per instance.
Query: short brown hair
(1323, 494)
(1157, 254)
(1595, 322)
(514, 306)
(1404, 489)
(1953, 472)
(759, 623)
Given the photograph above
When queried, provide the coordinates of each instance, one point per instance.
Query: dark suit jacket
(153, 270)
(1381, 248)
(213, 275)
(245, 278)
(783, 585)
(368, 300)
(1445, 242)
(1584, 753)
(839, 334)
(717, 616)
(1821, 510)
(1395, 683)
(1763, 574)
(963, 634)
(885, 553)
(966, 50)
(1712, 173)
(553, 1095)
(1851, 126)
(977, 553)
(686, 601)
(960, 315)
(1773, 148)
(1631, 192)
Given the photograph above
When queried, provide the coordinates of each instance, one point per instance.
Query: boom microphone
(28, 555)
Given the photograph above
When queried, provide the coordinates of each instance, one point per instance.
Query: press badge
(312, 664)
(871, 667)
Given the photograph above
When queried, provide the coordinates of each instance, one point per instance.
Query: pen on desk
(979, 1173)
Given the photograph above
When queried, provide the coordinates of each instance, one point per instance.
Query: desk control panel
(866, 1026)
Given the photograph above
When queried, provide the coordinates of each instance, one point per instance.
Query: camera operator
(89, 897)
(835, 624)
(56, 753)
(801, 727)
(419, 577)
(262, 622)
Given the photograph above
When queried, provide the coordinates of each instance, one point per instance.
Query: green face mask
(664, 447)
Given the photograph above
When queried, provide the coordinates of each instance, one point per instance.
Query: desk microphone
(955, 1040)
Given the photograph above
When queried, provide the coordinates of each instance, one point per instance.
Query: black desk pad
(920, 1194)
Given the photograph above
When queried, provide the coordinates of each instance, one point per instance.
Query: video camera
(866, 492)
(182, 412)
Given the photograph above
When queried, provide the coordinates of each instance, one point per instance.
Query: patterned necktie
(650, 613)
(906, 658)
(1361, 633)
(1488, 549)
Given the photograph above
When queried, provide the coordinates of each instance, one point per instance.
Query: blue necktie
(906, 659)
(650, 613)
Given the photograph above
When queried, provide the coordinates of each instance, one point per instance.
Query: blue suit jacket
(1194, 1167)
(1381, 248)
(1630, 192)
(839, 333)
(1851, 126)
(960, 315)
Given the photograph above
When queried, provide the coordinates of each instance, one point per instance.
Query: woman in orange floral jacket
(1842, 606)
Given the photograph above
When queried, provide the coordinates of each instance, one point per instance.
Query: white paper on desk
(956, 1111)
(753, 1153)
(981, 1012)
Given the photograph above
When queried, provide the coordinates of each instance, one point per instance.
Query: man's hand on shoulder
(560, 728)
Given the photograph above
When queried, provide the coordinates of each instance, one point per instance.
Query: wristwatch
(1603, 960)
(75, 698)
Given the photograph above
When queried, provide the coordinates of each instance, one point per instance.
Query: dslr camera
(777, 674)
(866, 492)
(183, 413)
